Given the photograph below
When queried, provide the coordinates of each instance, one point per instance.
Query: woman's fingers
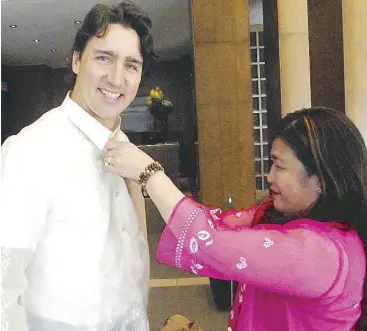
(114, 144)
(124, 158)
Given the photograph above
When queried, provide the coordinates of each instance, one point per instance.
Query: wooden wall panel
(326, 53)
(224, 101)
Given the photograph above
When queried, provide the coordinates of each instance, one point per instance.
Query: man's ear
(76, 62)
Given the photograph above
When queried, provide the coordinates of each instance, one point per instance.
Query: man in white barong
(74, 246)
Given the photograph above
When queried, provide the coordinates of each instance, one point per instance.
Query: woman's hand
(129, 161)
(125, 159)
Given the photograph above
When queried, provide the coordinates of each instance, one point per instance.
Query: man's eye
(132, 67)
(103, 58)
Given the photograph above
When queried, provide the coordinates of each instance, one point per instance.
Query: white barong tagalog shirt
(74, 253)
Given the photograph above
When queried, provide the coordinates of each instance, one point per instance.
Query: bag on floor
(180, 323)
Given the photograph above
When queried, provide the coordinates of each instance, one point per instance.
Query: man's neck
(111, 125)
(115, 125)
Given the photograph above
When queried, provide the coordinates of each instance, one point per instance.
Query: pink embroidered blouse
(304, 275)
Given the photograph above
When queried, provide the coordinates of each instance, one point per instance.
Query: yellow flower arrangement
(160, 108)
(156, 96)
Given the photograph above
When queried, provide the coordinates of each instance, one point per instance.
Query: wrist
(150, 170)
(143, 167)
(154, 181)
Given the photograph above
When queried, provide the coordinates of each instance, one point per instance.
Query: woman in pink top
(299, 257)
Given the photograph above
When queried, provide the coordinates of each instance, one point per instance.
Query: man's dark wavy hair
(125, 13)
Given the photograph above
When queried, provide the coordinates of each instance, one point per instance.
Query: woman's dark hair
(330, 146)
(125, 13)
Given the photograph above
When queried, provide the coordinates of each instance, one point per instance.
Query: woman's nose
(270, 177)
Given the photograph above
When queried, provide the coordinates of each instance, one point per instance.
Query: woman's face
(292, 188)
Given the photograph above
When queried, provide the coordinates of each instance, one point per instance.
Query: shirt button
(117, 194)
(123, 229)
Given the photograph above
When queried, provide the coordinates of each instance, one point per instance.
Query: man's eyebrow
(134, 60)
(110, 53)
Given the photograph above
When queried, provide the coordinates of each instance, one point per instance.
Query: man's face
(108, 73)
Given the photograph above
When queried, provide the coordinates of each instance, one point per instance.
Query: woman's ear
(315, 184)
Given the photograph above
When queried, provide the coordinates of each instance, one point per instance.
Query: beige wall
(294, 55)
(355, 62)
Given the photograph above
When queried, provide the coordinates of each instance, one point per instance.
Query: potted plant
(160, 108)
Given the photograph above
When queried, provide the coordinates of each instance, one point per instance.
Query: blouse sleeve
(292, 260)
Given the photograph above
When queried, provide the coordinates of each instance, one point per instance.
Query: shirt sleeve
(22, 223)
(292, 260)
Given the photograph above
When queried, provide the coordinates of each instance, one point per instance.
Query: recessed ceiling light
(13, 26)
(77, 24)
(36, 40)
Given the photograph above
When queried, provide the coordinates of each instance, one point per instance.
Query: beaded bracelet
(150, 170)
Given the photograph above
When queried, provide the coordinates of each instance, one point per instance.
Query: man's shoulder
(38, 134)
(50, 120)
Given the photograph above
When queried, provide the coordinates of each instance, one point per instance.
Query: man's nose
(116, 75)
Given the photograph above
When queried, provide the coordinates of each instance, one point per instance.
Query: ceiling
(52, 22)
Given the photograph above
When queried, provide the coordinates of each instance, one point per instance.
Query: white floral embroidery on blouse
(203, 235)
(195, 267)
(213, 212)
(268, 243)
(194, 246)
(242, 264)
(206, 236)
(211, 224)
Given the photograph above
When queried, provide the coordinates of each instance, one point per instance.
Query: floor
(175, 292)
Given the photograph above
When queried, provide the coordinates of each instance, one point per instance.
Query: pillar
(355, 63)
(220, 32)
(294, 55)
